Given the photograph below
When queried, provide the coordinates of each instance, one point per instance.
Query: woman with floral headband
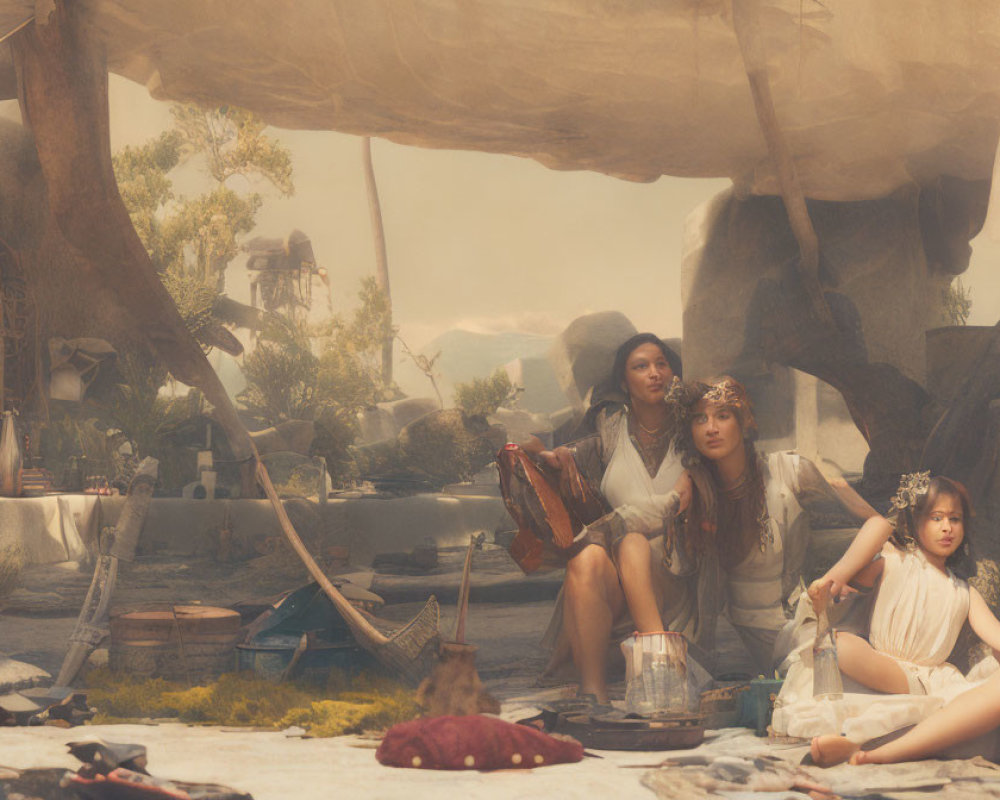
(922, 602)
(740, 549)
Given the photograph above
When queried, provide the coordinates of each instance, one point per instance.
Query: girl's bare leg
(867, 666)
(860, 661)
(969, 715)
(635, 565)
(591, 601)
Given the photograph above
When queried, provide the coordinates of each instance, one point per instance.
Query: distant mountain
(466, 355)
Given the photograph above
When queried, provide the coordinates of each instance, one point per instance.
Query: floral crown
(727, 391)
(723, 394)
(912, 487)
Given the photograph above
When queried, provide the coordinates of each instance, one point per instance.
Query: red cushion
(472, 742)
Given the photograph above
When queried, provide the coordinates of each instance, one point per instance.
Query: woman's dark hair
(962, 562)
(623, 352)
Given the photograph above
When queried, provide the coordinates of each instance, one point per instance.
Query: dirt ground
(38, 618)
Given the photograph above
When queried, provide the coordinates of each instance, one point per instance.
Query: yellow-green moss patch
(345, 705)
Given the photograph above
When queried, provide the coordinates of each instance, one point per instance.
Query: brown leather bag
(548, 520)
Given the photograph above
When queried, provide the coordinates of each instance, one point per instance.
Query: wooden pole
(463, 593)
(381, 258)
(747, 27)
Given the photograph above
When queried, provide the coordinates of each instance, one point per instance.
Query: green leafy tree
(234, 143)
(142, 174)
(191, 240)
(281, 374)
(287, 380)
(483, 396)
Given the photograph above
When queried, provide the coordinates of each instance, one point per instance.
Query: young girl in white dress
(919, 610)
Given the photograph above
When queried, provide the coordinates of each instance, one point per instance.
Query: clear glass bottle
(827, 683)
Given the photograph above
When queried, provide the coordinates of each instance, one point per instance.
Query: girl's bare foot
(828, 751)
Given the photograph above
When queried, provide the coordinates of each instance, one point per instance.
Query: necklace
(650, 431)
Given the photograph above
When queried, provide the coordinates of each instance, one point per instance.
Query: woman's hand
(570, 479)
(683, 489)
(555, 458)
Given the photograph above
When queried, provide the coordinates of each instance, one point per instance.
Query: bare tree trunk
(63, 93)
(381, 259)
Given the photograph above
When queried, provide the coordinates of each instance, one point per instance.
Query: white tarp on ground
(51, 528)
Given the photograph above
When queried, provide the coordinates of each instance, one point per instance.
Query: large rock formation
(873, 95)
(884, 265)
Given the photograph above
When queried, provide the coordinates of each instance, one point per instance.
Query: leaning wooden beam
(92, 626)
(401, 651)
(63, 91)
(747, 28)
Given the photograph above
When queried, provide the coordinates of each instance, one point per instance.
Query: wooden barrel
(193, 644)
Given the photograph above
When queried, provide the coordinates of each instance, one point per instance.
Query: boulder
(582, 354)
(409, 409)
(884, 266)
(519, 424)
(375, 425)
(293, 435)
(535, 376)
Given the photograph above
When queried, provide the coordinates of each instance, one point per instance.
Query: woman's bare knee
(590, 564)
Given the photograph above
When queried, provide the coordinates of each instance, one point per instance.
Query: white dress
(917, 616)
(641, 501)
(752, 593)
(637, 497)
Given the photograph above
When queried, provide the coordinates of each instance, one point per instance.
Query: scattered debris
(727, 774)
(716, 772)
(403, 651)
(114, 771)
(93, 624)
(59, 706)
(303, 636)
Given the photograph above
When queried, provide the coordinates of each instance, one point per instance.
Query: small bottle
(827, 683)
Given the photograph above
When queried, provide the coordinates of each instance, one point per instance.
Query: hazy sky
(474, 240)
(485, 242)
